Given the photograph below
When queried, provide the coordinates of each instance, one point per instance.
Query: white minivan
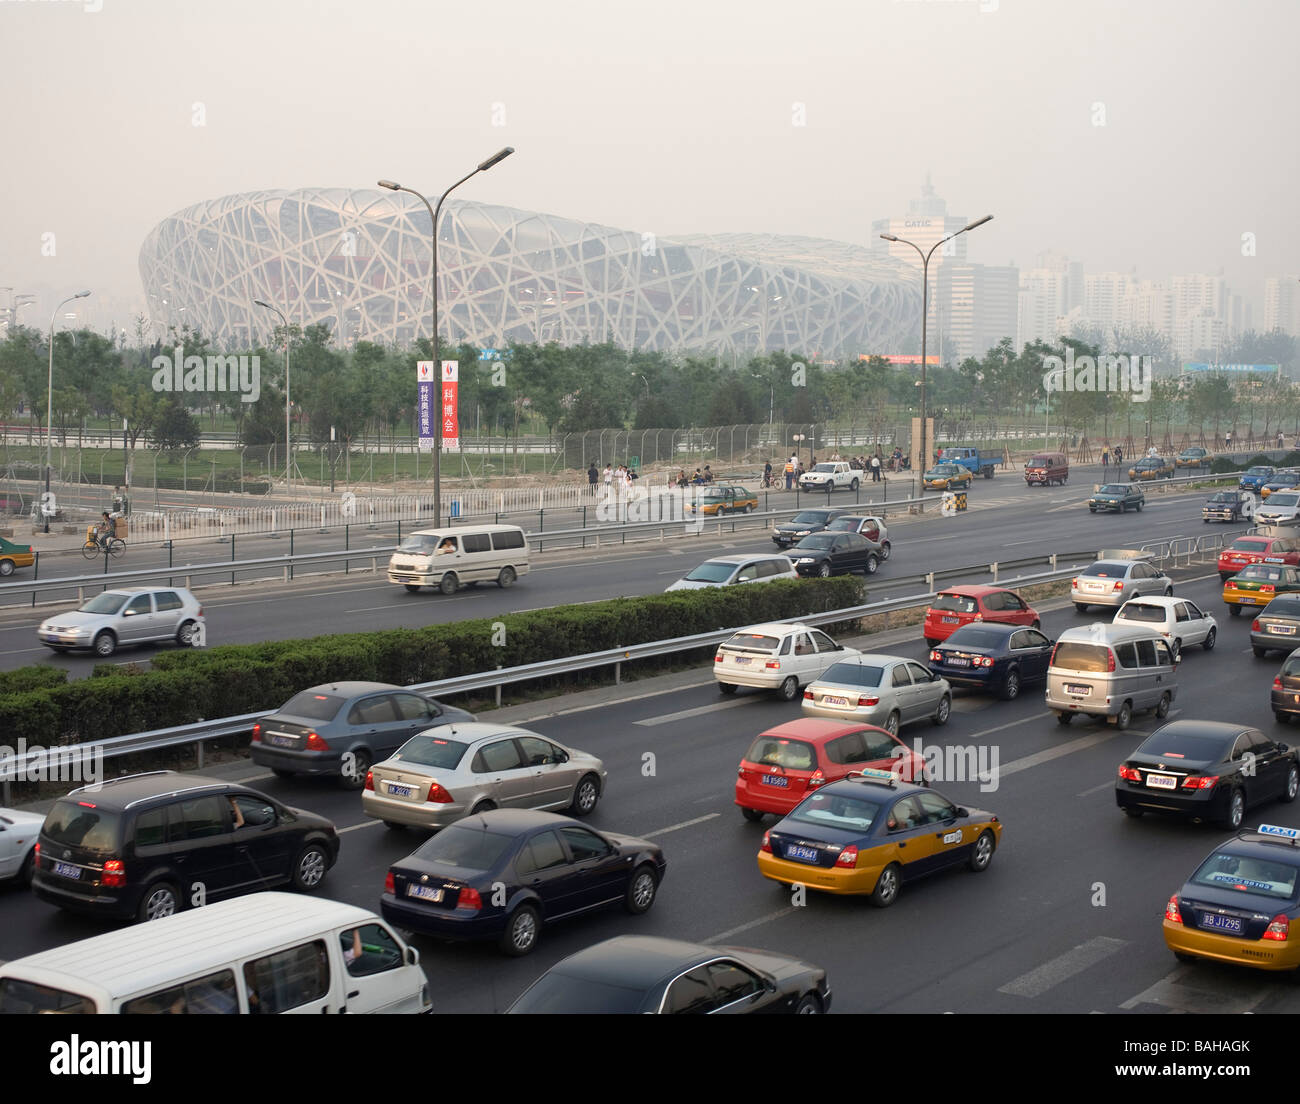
(264, 953)
(460, 555)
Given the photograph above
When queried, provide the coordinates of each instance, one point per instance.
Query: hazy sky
(671, 117)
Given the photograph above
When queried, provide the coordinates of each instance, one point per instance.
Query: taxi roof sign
(1278, 830)
(873, 774)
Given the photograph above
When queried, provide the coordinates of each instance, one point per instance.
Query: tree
(175, 428)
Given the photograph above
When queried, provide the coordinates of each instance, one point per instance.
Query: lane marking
(1233, 995)
(1096, 789)
(1063, 967)
(363, 824)
(752, 924)
(668, 718)
(1048, 754)
(683, 824)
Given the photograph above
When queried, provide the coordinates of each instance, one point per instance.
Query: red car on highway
(1258, 548)
(786, 763)
(960, 605)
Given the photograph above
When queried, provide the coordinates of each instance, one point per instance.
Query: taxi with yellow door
(1258, 584)
(870, 832)
(723, 498)
(948, 477)
(13, 556)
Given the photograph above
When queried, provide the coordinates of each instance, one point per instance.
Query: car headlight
(804, 559)
(802, 533)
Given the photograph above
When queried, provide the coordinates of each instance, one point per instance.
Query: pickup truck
(830, 476)
(968, 458)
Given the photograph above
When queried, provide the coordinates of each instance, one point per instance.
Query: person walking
(593, 477)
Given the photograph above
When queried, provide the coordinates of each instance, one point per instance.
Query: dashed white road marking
(1063, 967)
(676, 827)
(668, 718)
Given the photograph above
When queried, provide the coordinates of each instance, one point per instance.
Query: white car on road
(1179, 621)
(831, 476)
(783, 656)
(18, 835)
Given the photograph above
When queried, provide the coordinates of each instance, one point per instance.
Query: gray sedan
(440, 776)
(1112, 582)
(882, 690)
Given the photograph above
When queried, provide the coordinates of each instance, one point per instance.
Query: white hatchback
(1179, 621)
(783, 656)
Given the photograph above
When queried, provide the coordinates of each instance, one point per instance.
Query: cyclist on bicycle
(105, 530)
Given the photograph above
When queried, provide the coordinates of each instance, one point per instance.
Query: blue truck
(968, 458)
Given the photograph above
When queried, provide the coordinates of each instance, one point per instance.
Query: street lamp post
(288, 453)
(393, 186)
(925, 310)
(49, 408)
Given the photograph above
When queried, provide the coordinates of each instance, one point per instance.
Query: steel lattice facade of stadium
(358, 261)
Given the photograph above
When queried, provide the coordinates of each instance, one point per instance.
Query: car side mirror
(963, 812)
(412, 956)
(128, 613)
(561, 757)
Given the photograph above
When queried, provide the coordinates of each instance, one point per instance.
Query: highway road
(1066, 919)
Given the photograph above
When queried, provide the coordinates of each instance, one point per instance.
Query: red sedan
(1245, 551)
(960, 605)
(784, 764)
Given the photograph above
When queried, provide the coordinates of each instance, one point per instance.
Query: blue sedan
(991, 657)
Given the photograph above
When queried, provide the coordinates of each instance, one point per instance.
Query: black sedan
(802, 524)
(1210, 770)
(503, 874)
(342, 728)
(826, 554)
(642, 973)
(994, 658)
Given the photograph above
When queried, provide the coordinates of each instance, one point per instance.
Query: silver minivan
(1110, 671)
(460, 556)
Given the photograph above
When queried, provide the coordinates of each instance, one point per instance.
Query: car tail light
(936, 656)
(1052, 662)
(315, 743)
(864, 700)
(1119, 585)
(773, 664)
(469, 899)
(36, 856)
(438, 794)
(740, 770)
(1130, 774)
(767, 843)
(983, 661)
(257, 733)
(808, 694)
(1171, 911)
(389, 885)
(816, 779)
(1254, 625)
(848, 857)
(1201, 782)
(1267, 588)
(114, 874)
(1278, 929)
(1074, 583)
(1277, 685)
(717, 658)
(978, 617)
(370, 781)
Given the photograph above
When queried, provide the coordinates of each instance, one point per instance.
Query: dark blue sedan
(503, 874)
(991, 657)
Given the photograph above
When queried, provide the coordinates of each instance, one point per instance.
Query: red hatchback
(1245, 551)
(784, 764)
(960, 605)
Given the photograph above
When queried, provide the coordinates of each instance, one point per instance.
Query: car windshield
(1114, 488)
(824, 468)
(1292, 665)
(81, 824)
(776, 751)
(104, 603)
(1108, 569)
(317, 707)
(1260, 471)
(958, 603)
(853, 674)
(464, 847)
(559, 993)
(1266, 877)
(818, 542)
(1081, 657)
(426, 750)
(809, 517)
(1039, 462)
(1281, 500)
(1223, 496)
(1267, 572)
(420, 544)
(1142, 611)
(968, 636)
(711, 572)
(1184, 746)
(754, 642)
(837, 811)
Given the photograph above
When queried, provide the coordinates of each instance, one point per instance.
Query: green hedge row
(31, 678)
(1221, 465)
(187, 685)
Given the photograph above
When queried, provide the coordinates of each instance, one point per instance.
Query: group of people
(699, 479)
(617, 480)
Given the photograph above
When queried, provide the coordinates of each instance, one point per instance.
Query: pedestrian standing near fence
(593, 477)
(875, 468)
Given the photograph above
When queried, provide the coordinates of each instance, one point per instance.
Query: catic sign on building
(1262, 369)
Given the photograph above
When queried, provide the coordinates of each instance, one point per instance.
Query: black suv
(146, 845)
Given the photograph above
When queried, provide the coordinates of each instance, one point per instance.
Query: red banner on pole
(450, 425)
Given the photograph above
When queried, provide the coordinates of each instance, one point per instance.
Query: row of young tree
(367, 394)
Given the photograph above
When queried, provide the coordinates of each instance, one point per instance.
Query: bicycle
(113, 546)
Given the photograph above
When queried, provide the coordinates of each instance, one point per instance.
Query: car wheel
(752, 815)
(854, 485)
(1123, 507)
(185, 634)
(159, 900)
(309, 868)
(1011, 686)
(891, 723)
(1064, 718)
(789, 689)
(412, 588)
(449, 583)
(823, 571)
(585, 795)
(1235, 611)
(1162, 707)
(1125, 714)
(506, 578)
(1092, 509)
(727, 687)
(1139, 506)
(520, 935)
(105, 644)
(6, 567)
(808, 1005)
(28, 870)
(483, 807)
(930, 643)
(641, 890)
(353, 774)
(885, 550)
(1081, 607)
(873, 564)
(942, 713)
(746, 508)
(886, 891)
(1291, 788)
(1208, 643)
(1260, 653)
(982, 853)
(1169, 591)
(1236, 811)
(1176, 649)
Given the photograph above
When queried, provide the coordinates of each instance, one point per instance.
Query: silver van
(1110, 671)
(460, 555)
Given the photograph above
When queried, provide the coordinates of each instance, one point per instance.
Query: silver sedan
(449, 772)
(1112, 582)
(882, 690)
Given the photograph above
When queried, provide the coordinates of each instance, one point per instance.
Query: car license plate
(958, 662)
(1162, 781)
(67, 870)
(400, 791)
(1282, 630)
(282, 741)
(803, 854)
(424, 893)
(778, 780)
(1094, 586)
(1221, 923)
(1246, 601)
(743, 661)
(1077, 690)
(950, 620)
(832, 699)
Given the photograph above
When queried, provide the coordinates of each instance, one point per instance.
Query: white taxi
(782, 656)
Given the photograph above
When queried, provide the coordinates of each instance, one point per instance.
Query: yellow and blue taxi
(948, 477)
(1193, 458)
(14, 556)
(871, 832)
(723, 498)
(1151, 467)
(1284, 479)
(1258, 584)
(1239, 905)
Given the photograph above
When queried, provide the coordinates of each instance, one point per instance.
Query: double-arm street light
(288, 453)
(393, 186)
(49, 407)
(925, 312)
